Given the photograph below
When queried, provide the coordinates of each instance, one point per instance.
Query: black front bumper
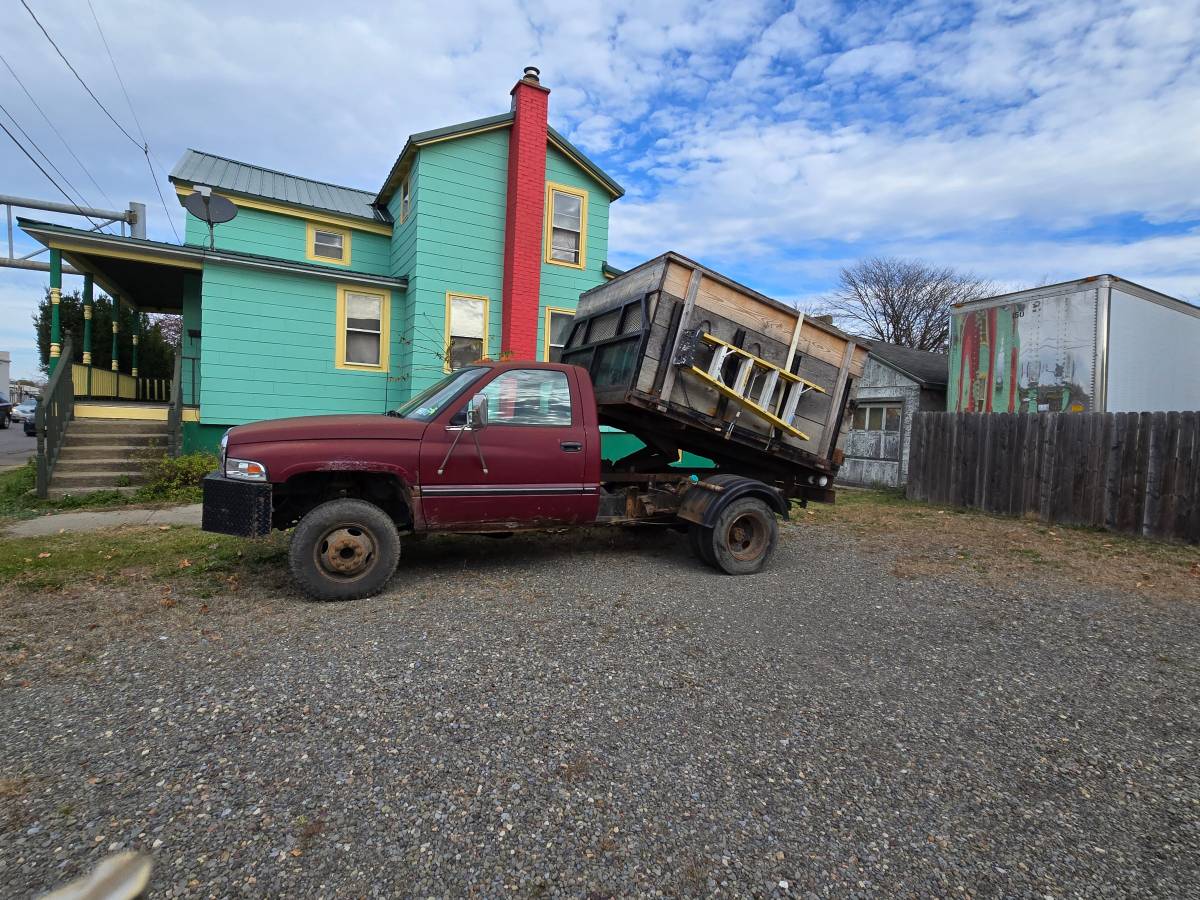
(241, 508)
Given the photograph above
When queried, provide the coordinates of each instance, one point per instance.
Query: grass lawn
(924, 540)
(204, 562)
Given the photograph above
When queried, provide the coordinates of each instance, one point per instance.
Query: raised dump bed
(687, 359)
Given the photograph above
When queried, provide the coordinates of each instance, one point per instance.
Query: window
(566, 225)
(528, 397)
(328, 244)
(405, 199)
(877, 417)
(466, 330)
(362, 329)
(556, 329)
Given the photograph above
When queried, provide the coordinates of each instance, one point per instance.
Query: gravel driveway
(557, 716)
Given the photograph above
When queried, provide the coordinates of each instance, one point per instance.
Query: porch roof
(150, 274)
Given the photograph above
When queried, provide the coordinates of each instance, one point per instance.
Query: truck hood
(327, 428)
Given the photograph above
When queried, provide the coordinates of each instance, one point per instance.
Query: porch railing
(54, 413)
(175, 409)
(90, 381)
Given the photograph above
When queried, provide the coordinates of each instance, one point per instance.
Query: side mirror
(477, 414)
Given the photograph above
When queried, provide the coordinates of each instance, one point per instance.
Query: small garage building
(897, 383)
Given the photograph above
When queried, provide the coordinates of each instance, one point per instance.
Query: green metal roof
(233, 177)
(504, 120)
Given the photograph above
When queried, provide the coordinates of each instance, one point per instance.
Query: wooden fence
(1132, 472)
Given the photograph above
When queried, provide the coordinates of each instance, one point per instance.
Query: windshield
(433, 400)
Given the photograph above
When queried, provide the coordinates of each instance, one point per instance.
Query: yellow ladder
(779, 411)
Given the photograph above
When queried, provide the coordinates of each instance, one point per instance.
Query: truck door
(534, 447)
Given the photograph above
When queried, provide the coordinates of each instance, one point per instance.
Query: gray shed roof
(930, 369)
(231, 176)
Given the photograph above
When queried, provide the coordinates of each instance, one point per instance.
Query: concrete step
(57, 493)
(116, 464)
(130, 454)
(94, 479)
(117, 426)
(127, 439)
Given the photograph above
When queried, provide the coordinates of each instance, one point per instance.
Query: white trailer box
(1098, 344)
(4, 364)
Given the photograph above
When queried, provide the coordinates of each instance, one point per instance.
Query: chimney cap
(532, 73)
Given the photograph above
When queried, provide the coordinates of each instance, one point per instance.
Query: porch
(141, 276)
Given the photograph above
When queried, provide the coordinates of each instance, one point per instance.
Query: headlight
(245, 469)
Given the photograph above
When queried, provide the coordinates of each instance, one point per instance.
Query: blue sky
(1023, 141)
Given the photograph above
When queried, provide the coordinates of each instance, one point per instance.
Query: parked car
(23, 410)
(30, 420)
(6, 409)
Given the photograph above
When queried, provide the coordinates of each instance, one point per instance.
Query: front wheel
(344, 550)
(3, 420)
(742, 539)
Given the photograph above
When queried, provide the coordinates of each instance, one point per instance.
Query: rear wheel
(743, 537)
(344, 550)
(3, 420)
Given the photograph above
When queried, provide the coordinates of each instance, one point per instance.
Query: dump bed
(687, 359)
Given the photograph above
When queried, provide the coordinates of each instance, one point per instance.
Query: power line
(49, 161)
(49, 177)
(145, 143)
(78, 77)
(57, 133)
(144, 146)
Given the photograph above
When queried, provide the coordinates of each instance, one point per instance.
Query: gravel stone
(599, 715)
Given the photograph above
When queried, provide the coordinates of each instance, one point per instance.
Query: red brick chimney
(523, 217)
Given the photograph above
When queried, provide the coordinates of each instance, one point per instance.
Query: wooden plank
(1140, 467)
(1164, 524)
(1128, 459)
(1187, 503)
(828, 436)
(1077, 425)
(689, 304)
(1156, 468)
(1045, 465)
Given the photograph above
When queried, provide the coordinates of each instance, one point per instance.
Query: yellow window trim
(385, 322)
(450, 297)
(546, 328)
(310, 243)
(551, 187)
(308, 214)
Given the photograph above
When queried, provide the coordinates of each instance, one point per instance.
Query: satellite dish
(210, 208)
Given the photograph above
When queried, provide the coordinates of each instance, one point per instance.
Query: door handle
(571, 446)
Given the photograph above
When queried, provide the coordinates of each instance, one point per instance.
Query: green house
(318, 298)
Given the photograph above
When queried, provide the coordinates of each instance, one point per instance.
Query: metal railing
(96, 383)
(175, 410)
(54, 413)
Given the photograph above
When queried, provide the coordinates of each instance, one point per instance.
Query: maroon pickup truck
(491, 448)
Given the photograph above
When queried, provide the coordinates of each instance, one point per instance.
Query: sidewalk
(113, 518)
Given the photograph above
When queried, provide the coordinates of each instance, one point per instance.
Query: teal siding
(402, 264)
(562, 285)
(285, 237)
(458, 217)
(269, 345)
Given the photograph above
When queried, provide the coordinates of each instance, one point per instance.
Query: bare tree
(902, 301)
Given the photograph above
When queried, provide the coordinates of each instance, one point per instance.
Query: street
(15, 447)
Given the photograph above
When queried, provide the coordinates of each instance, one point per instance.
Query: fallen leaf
(185, 563)
(164, 527)
(203, 609)
(167, 602)
(297, 852)
(43, 556)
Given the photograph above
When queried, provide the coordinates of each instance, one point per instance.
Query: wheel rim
(746, 537)
(346, 552)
